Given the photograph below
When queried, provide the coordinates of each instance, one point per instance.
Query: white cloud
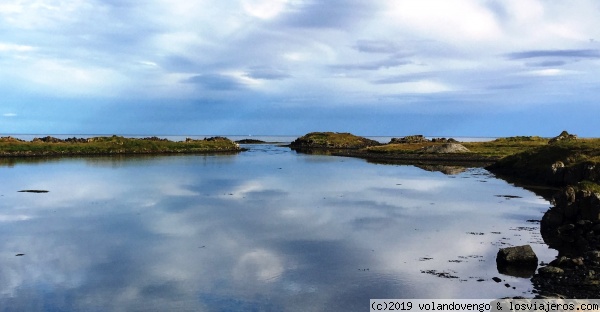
(460, 20)
(10, 47)
(264, 9)
(9, 115)
(64, 77)
(548, 72)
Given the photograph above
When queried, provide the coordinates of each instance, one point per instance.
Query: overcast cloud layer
(437, 67)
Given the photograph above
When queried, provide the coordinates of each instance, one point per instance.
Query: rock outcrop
(332, 140)
(572, 227)
(418, 138)
(445, 148)
(563, 136)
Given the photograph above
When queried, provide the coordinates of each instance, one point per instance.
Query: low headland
(112, 145)
(415, 149)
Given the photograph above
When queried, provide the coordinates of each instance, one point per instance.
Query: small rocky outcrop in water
(419, 138)
(519, 261)
(517, 255)
(332, 140)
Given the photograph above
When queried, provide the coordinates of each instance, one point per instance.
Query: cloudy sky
(377, 67)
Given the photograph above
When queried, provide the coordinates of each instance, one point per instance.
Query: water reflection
(267, 229)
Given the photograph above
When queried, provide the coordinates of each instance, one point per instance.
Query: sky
(288, 67)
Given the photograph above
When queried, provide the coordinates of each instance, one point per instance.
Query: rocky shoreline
(571, 226)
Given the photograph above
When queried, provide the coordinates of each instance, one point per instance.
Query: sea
(267, 229)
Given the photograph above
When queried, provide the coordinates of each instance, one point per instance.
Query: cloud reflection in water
(274, 231)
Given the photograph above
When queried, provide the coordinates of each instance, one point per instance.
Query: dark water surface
(264, 230)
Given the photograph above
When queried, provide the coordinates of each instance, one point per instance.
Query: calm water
(264, 230)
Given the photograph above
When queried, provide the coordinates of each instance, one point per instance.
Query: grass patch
(539, 164)
(588, 186)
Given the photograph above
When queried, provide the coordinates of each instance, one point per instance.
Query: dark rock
(33, 191)
(496, 279)
(593, 255)
(563, 136)
(517, 255)
(444, 140)
(551, 270)
(518, 261)
(409, 139)
(566, 229)
(561, 261)
(48, 139)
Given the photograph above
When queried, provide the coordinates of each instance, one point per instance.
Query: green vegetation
(588, 186)
(399, 148)
(561, 162)
(49, 146)
(494, 149)
(333, 140)
(503, 147)
(568, 152)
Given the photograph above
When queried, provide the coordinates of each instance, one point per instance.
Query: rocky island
(111, 145)
(414, 149)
